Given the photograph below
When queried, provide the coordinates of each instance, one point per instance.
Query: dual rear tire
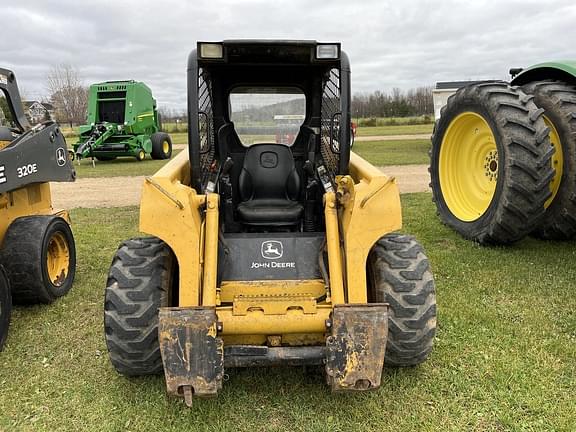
(503, 162)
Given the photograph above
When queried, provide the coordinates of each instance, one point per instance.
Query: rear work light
(211, 51)
(327, 51)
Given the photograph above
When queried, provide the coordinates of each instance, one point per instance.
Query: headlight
(211, 51)
(327, 51)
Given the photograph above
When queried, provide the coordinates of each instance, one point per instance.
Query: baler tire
(140, 282)
(161, 146)
(490, 163)
(39, 256)
(399, 274)
(140, 155)
(5, 307)
(558, 99)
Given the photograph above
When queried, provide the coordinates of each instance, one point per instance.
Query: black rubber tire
(558, 100)
(158, 140)
(139, 282)
(24, 257)
(399, 274)
(524, 169)
(105, 158)
(140, 155)
(5, 307)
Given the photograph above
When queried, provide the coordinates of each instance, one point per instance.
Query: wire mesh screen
(330, 127)
(205, 125)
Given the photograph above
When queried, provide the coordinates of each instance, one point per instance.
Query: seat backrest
(269, 173)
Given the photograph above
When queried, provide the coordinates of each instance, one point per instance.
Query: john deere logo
(272, 249)
(60, 157)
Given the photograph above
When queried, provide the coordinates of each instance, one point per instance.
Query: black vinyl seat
(269, 187)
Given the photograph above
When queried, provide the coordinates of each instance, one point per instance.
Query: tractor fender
(559, 70)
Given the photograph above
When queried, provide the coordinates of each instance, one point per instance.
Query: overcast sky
(390, 43)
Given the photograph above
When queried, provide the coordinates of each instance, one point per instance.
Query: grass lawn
(381, 153)
(123, 166)
(505, 356)
(395, 130)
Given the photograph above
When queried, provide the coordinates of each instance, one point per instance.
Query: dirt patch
(98, 192)
(410, 178)
(126, 191)
(393, 137)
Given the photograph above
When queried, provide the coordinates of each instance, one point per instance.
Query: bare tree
(68, 94)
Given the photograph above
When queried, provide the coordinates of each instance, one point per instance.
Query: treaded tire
(158, 140)
(399, 274)
(5, 307)
(524, 162)
(24, 255)
(139, 283)
(558, 100)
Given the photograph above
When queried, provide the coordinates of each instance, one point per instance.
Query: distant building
(444, 90)
(38, 112)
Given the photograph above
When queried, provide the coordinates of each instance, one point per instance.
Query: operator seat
(269, 187)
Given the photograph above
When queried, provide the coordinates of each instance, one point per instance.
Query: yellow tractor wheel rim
(141, 155)
(58, 259)
(165, 147)
(468, 166)
(557, 161)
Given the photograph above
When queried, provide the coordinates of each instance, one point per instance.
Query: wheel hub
(58, 259)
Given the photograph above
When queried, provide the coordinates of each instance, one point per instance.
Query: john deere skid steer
(503, 159)
(122, 121)
(37, 251)
(266, 253)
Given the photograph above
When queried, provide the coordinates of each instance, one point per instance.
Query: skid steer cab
(37, 251)
(268, 253)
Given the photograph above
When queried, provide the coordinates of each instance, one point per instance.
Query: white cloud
(390, 43)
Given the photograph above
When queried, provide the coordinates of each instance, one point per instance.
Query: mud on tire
(139, 283)
(399, 274)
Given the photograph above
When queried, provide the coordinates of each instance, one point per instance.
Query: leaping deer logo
(272, 249)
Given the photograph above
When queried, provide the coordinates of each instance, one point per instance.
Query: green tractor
(503, 158)
(122, 121)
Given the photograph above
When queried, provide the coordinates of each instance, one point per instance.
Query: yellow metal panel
(333, 246)
(171, 211)
(370, 209)
(256, 322)
(34, 199)
(274, 304)
(231, 289)
(210, 251)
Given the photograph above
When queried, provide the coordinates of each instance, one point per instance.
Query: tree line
(69, 96)
(396, 103)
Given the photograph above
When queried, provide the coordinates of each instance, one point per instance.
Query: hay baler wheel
(140, 155)
(558, 99)
(399, 274)
(139, 282)
(39, 256)
(161, 146)
(5, 307)
(490, 163)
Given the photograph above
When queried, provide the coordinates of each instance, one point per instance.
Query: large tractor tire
(161, 146)
(140, 282)
(399, 274)
(5, 307)
(490, 163)
(558, 100)
(39, 256)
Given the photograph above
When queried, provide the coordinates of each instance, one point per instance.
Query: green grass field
(124, 166)
(381, 153)
(505, 356)
(395, 130)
